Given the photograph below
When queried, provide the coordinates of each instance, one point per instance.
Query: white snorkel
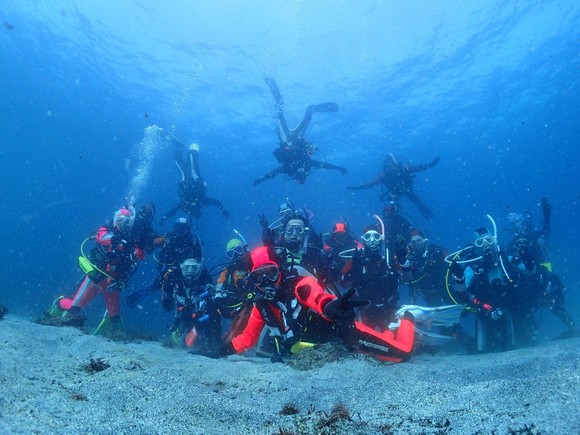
(497, 246)
(454, 255)
(242, 238)
(385, 248)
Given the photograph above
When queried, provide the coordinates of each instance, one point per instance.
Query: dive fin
(275, 92)
(104, 326)
(323, 107)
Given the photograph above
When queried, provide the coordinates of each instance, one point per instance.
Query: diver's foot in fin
(323, 107)
(275, 92)
(56, 310)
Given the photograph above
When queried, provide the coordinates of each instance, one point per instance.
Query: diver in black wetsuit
(398, 178)
(192, 187)
(294, 152)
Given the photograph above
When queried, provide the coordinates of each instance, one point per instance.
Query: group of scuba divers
(301, 288)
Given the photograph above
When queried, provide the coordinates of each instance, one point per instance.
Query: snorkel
(242, 238)
(499, 256)
(454, 256)
(385, 248)
(284, 214)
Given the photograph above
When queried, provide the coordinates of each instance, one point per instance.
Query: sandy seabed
(148, 388)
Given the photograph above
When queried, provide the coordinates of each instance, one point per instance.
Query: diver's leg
(208, 200)
(300, 129)
(323, 107)
(192, 155)
(171, 212)
(181, 165)
(84, 295)
(326, 165)
(427, 214)
(112, 301)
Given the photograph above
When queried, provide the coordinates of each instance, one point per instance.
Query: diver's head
(391, 163)
(521, 244)
(294, 234)
(372, 239)
(265, 273)
(123, 220)
(235, 249)
(485, 244)
(286, 210)
(181, 226)
(340, 232)
(146, 213)
(417, 243)
(190, 269)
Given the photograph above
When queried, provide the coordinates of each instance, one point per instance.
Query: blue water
(490, 86)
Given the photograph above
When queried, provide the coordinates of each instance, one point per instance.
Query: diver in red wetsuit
(110, 266)
(297, 309)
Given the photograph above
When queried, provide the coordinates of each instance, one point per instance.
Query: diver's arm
(371, 183)
(423, 167)
(216, 203)
(312, 295)
(269, 175)
(171, 212)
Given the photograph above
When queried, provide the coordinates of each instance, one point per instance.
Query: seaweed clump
(76, 320)
(96, 365)
(339, 420)
(338, 413)
(289, 409)
(320, 355)
(3, 311)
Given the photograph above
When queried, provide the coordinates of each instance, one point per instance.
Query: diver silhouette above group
(386, 291)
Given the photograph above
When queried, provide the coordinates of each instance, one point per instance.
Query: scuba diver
(188, 289)
(298, 245)
(178, 245)
(490, 286)
(398, 177)
(107, 270)
(370, 273)
(423, 270)
(275, 231)
(338, 246)
(525, 237)
(145, 237)
(294, 152)
(527, 251)
(234, 294)
(192, 187)
(299, 313)
(397, 230)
